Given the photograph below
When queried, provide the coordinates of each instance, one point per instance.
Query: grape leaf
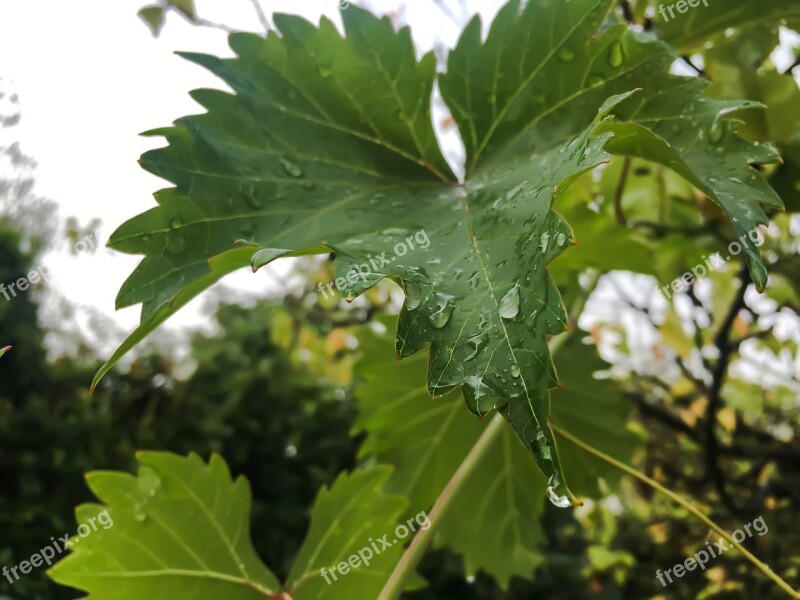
(327, 144)
(505, 486)
(180, 530)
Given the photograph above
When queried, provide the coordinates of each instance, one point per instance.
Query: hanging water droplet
(556, 500)
(616, 55)
(440, 318)
(509, 304)
(291, 169)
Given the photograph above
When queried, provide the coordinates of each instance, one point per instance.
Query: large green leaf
(327, 143)
(713, 17)
(180, 530)
(494, 520)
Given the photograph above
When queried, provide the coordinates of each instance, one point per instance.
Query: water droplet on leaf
(509, 304)
(413, 295)
(440, 318)
(566, 54)
(717, 131)
(291, 169)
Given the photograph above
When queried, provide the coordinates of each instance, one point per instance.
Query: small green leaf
(178, 528)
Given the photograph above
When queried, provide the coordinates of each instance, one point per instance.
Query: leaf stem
(681, 501)
(413, 555)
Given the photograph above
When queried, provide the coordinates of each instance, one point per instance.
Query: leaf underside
(327, 144)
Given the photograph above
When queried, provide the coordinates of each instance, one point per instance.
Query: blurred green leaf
(154, 17)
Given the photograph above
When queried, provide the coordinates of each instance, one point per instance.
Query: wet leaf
(327, 144)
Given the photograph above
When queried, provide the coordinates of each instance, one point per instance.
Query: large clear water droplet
(515, 371)
(509, 304)
(440, 318)
(413, 295)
